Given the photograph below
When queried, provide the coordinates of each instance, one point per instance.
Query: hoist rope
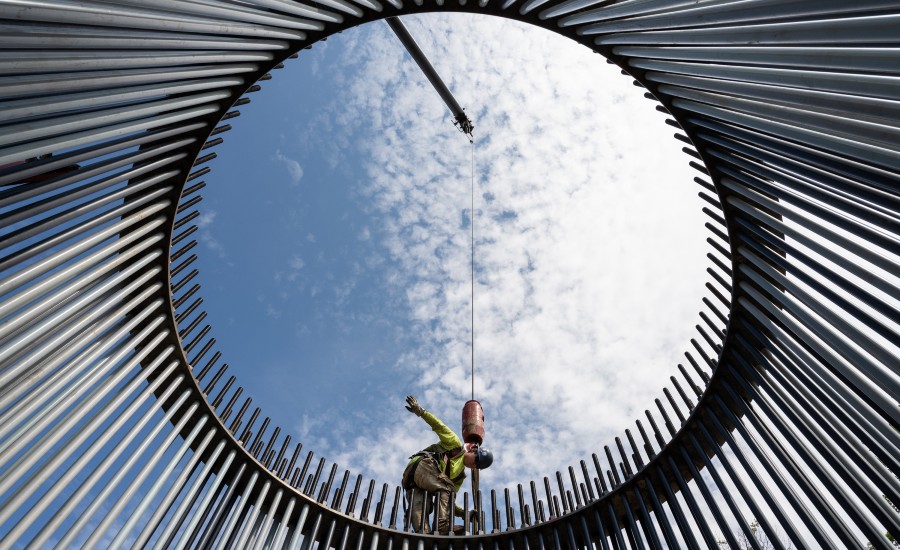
(472, 261)
(475, 527)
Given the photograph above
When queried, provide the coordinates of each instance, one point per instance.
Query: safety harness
(435, 453)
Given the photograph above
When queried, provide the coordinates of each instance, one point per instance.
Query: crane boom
(462, 121)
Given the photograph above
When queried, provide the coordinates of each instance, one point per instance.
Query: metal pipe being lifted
(462, 121)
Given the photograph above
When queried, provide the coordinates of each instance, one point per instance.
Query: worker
(439, 469)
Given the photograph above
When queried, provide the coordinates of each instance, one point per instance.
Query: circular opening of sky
(335, 237)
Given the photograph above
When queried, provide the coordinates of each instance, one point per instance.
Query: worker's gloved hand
(473, 520)
(413, 406)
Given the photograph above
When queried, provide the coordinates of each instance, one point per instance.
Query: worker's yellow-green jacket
(449, 441)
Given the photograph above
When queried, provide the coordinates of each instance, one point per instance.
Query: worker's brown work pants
(429, 481)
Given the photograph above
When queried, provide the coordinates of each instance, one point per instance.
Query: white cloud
(293, 167)
(272, 312)
(212, 243)
(206, 218)
(205, 235)
(296, 263)
(316, 56)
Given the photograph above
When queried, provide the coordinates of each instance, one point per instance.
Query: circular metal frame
(118, 426)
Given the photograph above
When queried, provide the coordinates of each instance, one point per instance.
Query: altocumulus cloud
(295, 171)
(589, 243)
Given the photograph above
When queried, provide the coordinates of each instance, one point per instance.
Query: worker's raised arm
(412, 405)
(449, 440)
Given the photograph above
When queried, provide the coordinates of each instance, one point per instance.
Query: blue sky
(335, 246)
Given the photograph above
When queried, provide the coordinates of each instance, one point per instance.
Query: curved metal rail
(119, 428)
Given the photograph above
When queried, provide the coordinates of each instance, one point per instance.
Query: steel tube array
(120, 425)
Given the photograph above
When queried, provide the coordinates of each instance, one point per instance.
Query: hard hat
(483, 458)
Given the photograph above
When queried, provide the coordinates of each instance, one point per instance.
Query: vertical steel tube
(237, 513)
(212, 486)
(283, 526)
(268, 530)
(224, 506)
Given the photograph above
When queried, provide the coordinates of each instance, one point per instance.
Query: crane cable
(472, 262)
(475, 525)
